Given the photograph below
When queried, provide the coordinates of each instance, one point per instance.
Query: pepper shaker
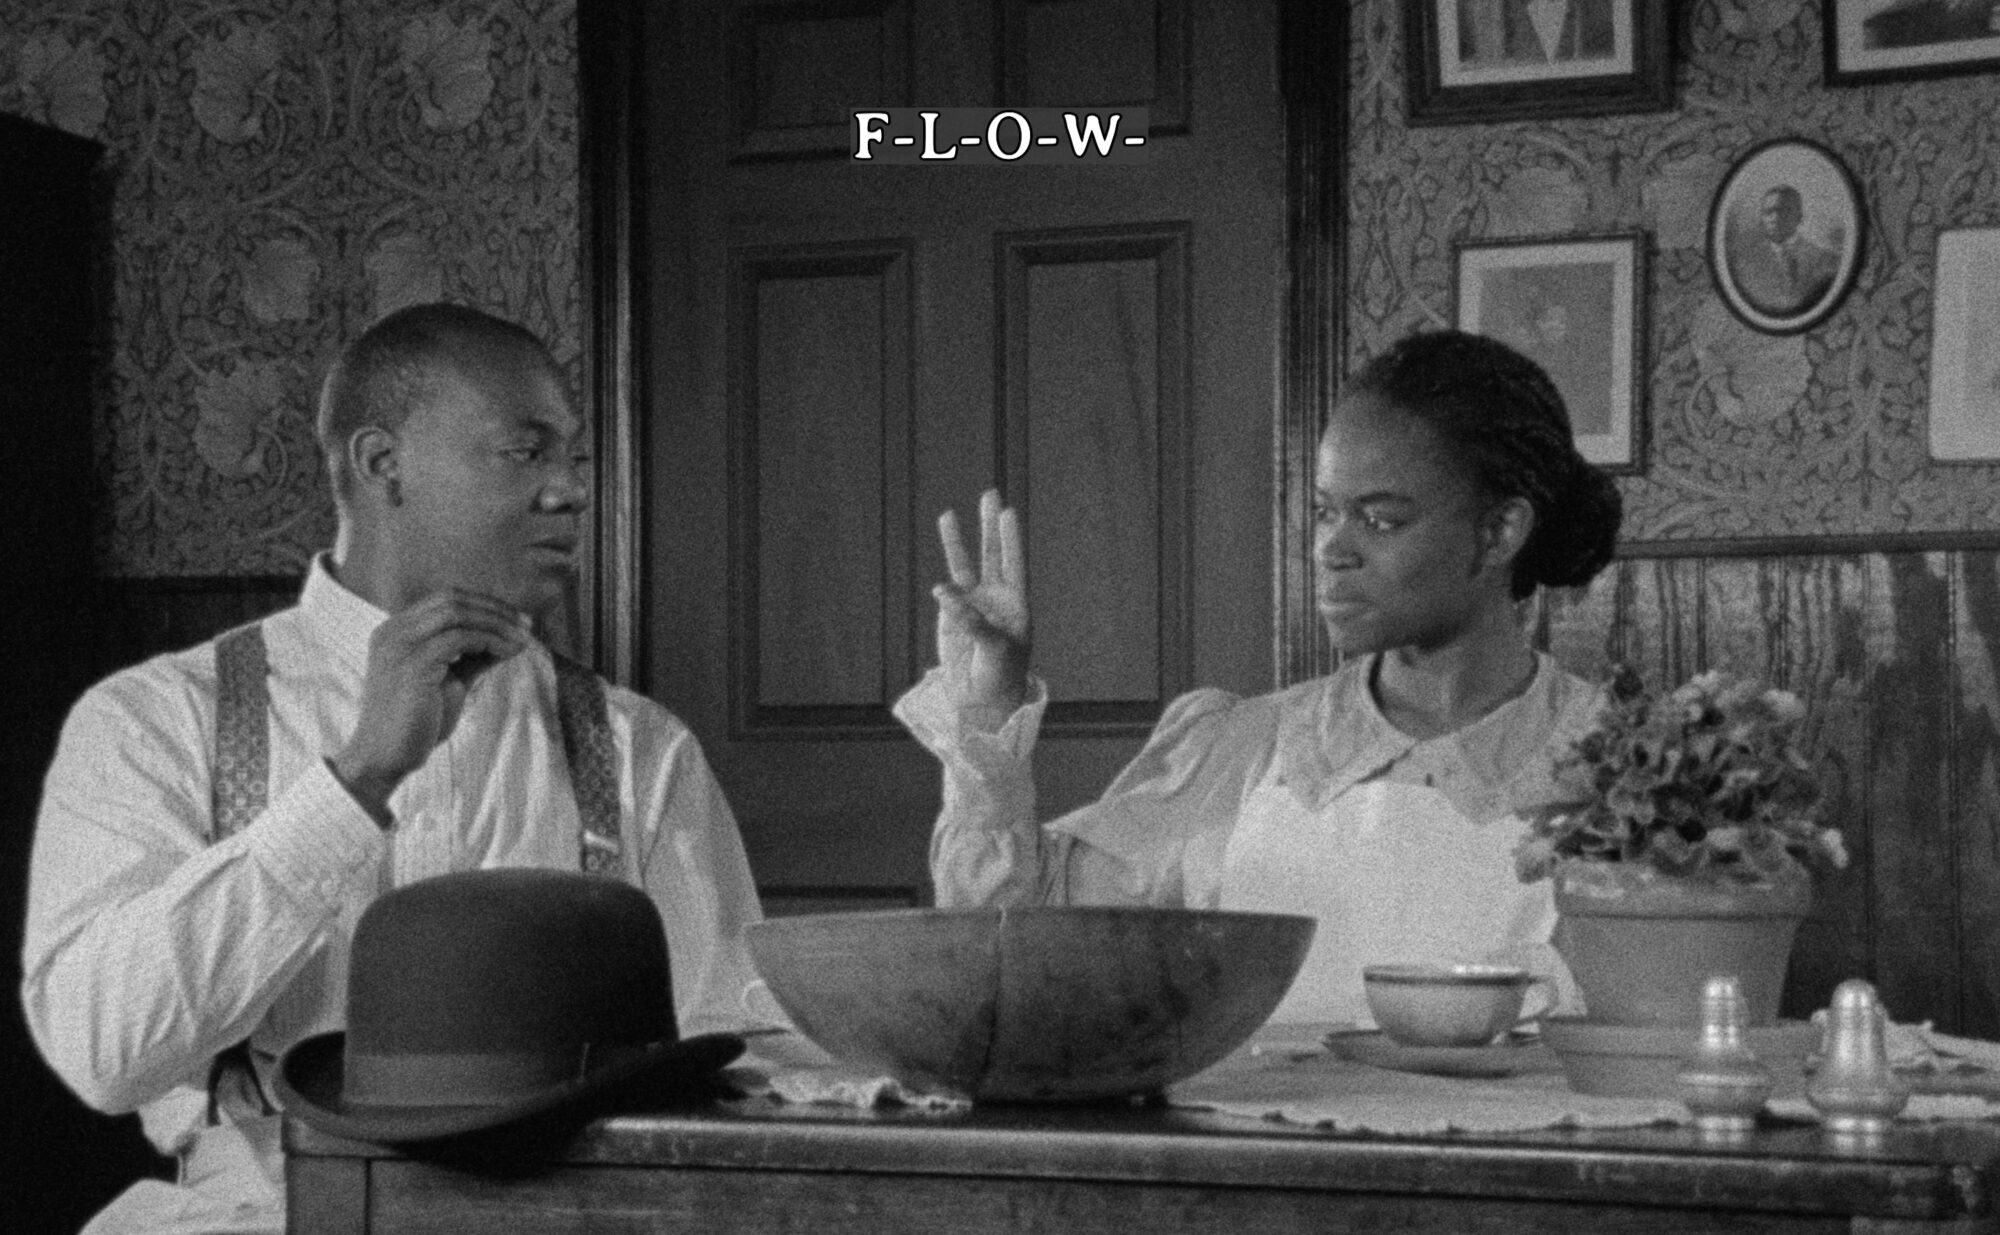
(1722, 1082)
(1854, 1089)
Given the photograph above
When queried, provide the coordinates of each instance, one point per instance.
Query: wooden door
(832, 352)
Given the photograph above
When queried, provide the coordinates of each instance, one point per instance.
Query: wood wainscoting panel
(1902, 833)
(1659, 620)
(1579, 625)
(1742, 620)
(1823, 658)
(1975, 783)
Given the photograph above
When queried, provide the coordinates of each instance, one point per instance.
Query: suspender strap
(588, 749)
(239, 775)
(243, 746)
(242, 766)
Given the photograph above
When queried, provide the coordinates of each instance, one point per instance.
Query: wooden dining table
(758, 1165)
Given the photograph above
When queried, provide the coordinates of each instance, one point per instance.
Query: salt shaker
(1854, 1089)
(1722, 1082)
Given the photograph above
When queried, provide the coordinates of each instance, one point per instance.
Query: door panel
(790, 65)
(1094, 331)
(834, 352)
(1097, 53)
(819, 408)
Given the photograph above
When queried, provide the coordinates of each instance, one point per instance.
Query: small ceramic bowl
(1448, 1005)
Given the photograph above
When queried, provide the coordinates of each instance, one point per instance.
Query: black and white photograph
(1475, 60)
(1785, 236)
(1571, 306)
(1486, 41)
(1887, 40)
(999, 617)
(1965, 363)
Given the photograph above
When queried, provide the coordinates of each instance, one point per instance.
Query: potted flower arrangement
(1683, 844)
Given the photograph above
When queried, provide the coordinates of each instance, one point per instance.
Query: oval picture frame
(1785, 235)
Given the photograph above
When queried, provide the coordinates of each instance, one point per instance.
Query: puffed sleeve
(1124, 849)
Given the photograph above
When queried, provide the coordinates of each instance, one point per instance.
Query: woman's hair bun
(1577, 535)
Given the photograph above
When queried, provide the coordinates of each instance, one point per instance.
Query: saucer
(1645, 1061)
(1515, 1054)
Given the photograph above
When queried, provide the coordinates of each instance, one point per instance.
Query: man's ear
(1504, 532)
(372, 456)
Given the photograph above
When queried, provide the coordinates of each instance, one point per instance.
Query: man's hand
(982, 630)
(421, 664)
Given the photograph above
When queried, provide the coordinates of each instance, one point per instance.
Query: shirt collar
(337, 618)
(1345, 740)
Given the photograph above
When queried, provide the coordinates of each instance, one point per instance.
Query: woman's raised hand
(982, 629)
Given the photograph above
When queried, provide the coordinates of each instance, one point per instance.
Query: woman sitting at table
(1385, 799)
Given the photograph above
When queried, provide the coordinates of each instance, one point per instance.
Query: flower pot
(1642, 943)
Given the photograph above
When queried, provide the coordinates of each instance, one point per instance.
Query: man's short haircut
(393, 367)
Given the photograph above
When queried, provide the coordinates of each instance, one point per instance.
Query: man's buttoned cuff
(317, 840)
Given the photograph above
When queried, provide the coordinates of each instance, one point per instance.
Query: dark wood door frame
(611, 623)
(1313, 57)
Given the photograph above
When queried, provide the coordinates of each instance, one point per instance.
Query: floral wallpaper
(284, 172)
(1751, 434)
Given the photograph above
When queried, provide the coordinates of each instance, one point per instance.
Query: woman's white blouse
(1311, 766)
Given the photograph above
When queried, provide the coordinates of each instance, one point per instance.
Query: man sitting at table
(216, 819)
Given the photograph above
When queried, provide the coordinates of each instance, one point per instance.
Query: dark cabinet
(63, 1161)
(51, 337)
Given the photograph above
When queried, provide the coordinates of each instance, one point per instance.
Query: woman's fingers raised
(957, 563)
(993, 598)
(1013, 558)
(982, 627)
(990, 567)
(1003, 562)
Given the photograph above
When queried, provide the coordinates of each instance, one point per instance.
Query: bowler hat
(481, 999)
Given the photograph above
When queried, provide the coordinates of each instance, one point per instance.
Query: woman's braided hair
(1501, 417)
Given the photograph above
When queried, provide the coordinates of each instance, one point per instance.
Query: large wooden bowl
(1040, 1004)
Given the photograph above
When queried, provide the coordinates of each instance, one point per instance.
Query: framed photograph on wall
(1887, 40)
(1965, 364)
(1784, 235)
(1482, 60)
(1573, 306)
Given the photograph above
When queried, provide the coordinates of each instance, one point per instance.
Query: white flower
(1698, 688)
(1784, 704)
